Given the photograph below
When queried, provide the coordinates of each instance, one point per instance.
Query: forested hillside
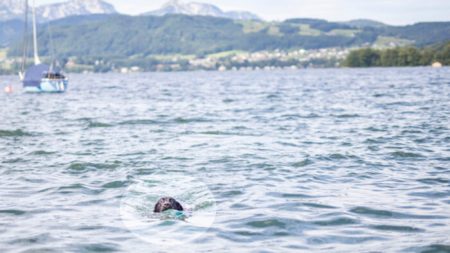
(407, 56)
(129, 36)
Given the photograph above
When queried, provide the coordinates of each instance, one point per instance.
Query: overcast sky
(398, 12)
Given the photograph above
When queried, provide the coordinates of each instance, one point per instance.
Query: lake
(317, 160)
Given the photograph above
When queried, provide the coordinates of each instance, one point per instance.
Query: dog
(167, 203)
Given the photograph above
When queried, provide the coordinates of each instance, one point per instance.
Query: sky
(394, 12)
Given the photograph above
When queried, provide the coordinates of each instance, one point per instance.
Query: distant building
(222, 68)
(436, 65)
(71, 63)
(135, 69)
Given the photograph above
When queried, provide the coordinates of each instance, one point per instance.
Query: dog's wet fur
(167, 203)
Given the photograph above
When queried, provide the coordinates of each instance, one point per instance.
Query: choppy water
(313, 160)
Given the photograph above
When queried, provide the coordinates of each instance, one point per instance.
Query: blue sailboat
(40, 78)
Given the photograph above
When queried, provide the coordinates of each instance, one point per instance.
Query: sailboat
(39, 78)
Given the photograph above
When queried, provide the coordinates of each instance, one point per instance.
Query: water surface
(296, 161)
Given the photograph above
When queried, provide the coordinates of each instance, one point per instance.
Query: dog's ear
(178, 206)
(157, 207)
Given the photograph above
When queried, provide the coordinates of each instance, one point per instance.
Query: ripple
(140, 122)
(246, 233)
(190, 120)
(401, 154)
(434, 181)
(300, 116)
(378, 213)
(431, 194)
(12, 212)
(379, 95)
(347, 116)
(266, 223)
(77, 167)
(375, 141)
(13, 133)
(336, 156)
(137, 208)
(215, 133)
(435, 248)
(115, 184)
(372, 212)
(303, 163)
(97, 247)
(75, 188)
(14, 160)
(289, 195)
(320, 206)
(338, 221)
(36, 239)
(228, 101)
(405, 229)
(178, 120)
(232, 193)
(94, 124)
(376, 129)
(263, 228)
(336, 239)
(42, 153)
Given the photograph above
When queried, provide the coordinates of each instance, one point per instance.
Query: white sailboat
(39, 78)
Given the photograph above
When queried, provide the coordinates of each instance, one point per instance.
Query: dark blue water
(336, 160)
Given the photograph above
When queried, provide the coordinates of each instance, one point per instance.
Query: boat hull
(48, 86)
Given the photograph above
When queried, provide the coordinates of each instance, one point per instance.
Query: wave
(401, 154)
(379, 213)
(140, 122)
(432, 248)
(42, 153)
(303, 163)
(15, 212)
(336, 156)
(94, 124)
(338, 221)
(394, 228)
(178, 120)
(76, 188)
(81, 167)
(13, 133)
(347, 116)
(266, 223)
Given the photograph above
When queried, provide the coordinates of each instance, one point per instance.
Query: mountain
(364, 23)
(74, 8)
(200, 9)
(10, 31)
(120, 36)
(423, 34)
(11, 9)
(14, 9)
(241, 15)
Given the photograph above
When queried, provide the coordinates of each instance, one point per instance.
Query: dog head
(167, 203)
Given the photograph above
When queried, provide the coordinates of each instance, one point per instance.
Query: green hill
(422, 34)
(402, 56)
(364, 23)
(120, 36)
(10, 31)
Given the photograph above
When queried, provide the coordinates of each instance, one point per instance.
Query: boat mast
(36, 55)
(25, 44)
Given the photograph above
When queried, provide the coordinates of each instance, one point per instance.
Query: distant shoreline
(250, 71)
